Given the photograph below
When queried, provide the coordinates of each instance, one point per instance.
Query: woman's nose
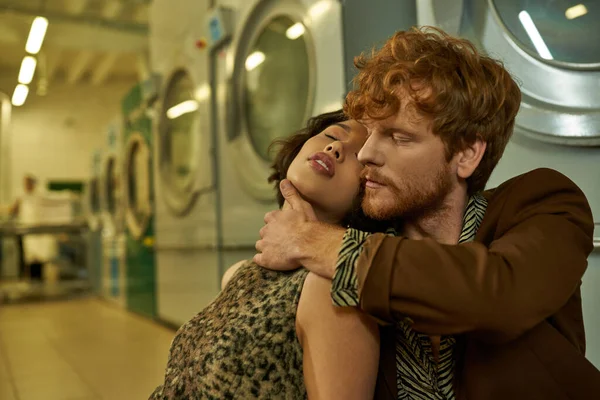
(336, 150)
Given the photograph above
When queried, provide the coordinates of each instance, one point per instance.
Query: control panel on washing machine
(219, 25)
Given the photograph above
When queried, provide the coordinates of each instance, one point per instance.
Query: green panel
(132, 100)
(141, 277)
(140, 258)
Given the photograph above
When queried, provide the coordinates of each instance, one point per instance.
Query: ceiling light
(202, 93)
(182, 108)
(254, 60)
(27, 70)
(295, 31)
(20, 95)
(576, 11)
(319, 9)
(534, 35)
(36, 35)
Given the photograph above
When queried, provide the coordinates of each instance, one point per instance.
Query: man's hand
(293, 237)
(279, 244)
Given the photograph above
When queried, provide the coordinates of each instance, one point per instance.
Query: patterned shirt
(418, 375)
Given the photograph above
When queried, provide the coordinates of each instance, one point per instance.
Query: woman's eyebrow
(344, 127)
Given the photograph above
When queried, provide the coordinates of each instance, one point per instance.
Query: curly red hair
(465, 94)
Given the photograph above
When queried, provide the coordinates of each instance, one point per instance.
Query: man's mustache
(374, 175)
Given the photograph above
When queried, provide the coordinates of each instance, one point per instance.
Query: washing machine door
(94, 196)
(180, 139)
(93, 202)
(271, 88)
(547, 45)
(138, 200)
(109, 183)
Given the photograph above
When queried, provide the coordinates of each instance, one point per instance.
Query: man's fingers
(262, 231)
(270, 216)
(291, 195)
(294, 201)
(286, 206)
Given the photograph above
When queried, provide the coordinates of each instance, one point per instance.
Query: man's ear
(468, 159)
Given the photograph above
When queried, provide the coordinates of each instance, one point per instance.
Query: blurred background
(133, 155)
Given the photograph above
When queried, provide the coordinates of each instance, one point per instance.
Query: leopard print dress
(243, 345)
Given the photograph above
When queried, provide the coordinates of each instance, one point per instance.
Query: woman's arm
(340, 345)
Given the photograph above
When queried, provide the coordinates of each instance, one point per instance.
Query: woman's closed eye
(331, 137)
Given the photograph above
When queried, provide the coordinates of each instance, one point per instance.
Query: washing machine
(93, 216)
(138, 198)
(114, 281)
(185, 222)
(547, 46)
(282, 64)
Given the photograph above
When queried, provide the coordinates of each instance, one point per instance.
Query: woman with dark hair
(277, 334)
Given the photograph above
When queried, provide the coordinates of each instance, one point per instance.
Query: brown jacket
(512, 296)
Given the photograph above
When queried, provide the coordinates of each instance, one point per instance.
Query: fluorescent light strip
(182, 108)
(295, 31)
(36, 35)
(534, 35)
(576, 11)
(27, 70)
(20, 95)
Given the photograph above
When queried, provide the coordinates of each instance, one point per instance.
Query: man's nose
(369, 153)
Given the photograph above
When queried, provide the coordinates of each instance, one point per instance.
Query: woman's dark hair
(289, 147)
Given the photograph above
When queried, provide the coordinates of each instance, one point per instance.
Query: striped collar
(474, 213)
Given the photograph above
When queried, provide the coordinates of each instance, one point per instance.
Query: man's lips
(372, 180)
(373, 184)
(323, 164)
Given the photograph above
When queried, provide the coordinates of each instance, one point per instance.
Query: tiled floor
(79, 350)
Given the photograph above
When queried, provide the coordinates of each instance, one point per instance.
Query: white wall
(54, 136)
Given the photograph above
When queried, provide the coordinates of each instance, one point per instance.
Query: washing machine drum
(182, 140)
(138, 186)
(271, 93)
(547, 46)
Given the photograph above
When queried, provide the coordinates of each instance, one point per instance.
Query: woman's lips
(322, 163)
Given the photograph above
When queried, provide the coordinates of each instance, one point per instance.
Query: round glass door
(272, 87)
(558, 105)
(138, 186)
(276, 83)
(111, 186)
(94, 196)
(565, 31)
(179, 129)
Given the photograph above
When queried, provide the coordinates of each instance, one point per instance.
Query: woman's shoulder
(231, 272)
(244, 272)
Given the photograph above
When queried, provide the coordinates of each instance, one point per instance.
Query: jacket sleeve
(535, 261)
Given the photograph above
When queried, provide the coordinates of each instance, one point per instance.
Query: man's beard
(411, 199)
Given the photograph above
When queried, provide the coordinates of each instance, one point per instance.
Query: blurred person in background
(25, 210)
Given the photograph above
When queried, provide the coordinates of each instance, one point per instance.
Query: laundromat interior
(134, 156)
